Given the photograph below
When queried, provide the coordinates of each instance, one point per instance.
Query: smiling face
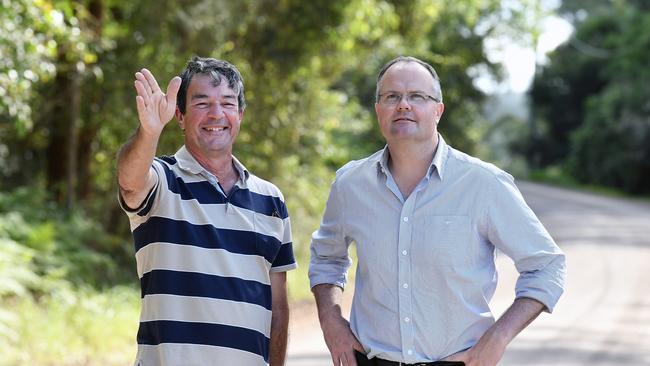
(212, 117)
(403, 122)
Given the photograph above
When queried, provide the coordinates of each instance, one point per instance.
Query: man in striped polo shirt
(212, 241)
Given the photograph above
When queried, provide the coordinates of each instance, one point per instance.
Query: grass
(71, 328)
(557, 177)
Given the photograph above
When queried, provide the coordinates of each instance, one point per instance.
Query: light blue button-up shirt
(426, 270)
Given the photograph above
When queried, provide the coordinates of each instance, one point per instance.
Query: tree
(309, 70)
(612, 146)
(592, 98)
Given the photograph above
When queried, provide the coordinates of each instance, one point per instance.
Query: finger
(141, 78)
(344, 361)
(142, 92)
(153, 84)
(349, 359)
(172, 90)
(356, 345)
(139, 102)
(335, 360)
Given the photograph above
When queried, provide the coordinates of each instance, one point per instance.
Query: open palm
(155, 109)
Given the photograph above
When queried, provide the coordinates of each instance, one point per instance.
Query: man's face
(406, 121)
(212, 117)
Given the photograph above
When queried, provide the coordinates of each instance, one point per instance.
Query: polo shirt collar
(437, 164)
(188, 163)
(241, 169)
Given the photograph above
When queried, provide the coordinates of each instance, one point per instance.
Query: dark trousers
(362, 360)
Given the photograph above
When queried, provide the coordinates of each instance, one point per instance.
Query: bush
(53, 245)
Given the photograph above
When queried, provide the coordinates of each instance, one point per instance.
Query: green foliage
(592, 101)
(16, 269)
(559, 93)
(48, 311)
(67, 103)
(48, 247)
(27, 48)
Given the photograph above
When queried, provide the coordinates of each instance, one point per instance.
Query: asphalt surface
(603, 317)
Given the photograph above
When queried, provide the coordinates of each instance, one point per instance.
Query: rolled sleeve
(151, 201)
(330, 259)
(516, 231)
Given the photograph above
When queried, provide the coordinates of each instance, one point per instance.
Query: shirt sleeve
(516, 231)
(285, 260)
(330, 260)
(149, 202)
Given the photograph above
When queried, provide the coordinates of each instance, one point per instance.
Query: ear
(439, 110)
(180, 118)
(241, 115)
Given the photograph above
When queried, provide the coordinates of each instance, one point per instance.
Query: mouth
(403, 119)
(215, 129)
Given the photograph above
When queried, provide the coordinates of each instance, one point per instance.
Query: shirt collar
(437, 164)
(188, 163)
(241, 169)
(440, 157)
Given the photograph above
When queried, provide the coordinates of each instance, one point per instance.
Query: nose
(403, 104)
(216, 111)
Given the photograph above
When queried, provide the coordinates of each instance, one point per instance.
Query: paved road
(604, 316)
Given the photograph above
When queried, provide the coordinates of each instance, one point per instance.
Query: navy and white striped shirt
(204, 260)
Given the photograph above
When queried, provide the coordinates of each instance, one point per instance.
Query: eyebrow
(205, 96)
(408, 92)
(199, 96)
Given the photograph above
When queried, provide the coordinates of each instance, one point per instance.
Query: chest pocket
(444, 240)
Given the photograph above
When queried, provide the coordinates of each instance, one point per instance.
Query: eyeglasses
(413, 98)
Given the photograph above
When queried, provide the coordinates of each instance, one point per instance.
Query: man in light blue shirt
(427, 220)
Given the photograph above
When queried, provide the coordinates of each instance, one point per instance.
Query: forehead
(207, 85)
(407, 76)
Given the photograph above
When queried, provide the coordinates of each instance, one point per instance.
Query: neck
(221, 164)
(409, 163)
(409, 160)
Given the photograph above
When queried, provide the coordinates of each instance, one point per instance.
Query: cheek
(233, 119)
(383, 117)
(193, 118)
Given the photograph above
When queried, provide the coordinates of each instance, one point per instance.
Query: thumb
(172, 90)
(356, 345)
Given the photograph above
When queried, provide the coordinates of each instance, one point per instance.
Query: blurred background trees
(592, 99)
(67, 103)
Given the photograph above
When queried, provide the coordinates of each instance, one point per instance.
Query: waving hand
(155, 109)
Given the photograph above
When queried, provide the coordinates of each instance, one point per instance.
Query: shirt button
(404, 252)
(407, 319)
(406, 285)
(410, 352)
(406, 219)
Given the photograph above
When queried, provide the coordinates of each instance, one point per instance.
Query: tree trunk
(62, 151)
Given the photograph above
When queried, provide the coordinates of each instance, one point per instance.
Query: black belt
(362, 360)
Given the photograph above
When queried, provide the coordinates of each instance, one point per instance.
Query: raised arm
(155, 109)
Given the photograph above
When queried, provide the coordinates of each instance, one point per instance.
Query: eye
(228, 105)
(391, 98)
(417, 97)
(201, 105)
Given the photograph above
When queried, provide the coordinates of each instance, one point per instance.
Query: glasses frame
(401, 96)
